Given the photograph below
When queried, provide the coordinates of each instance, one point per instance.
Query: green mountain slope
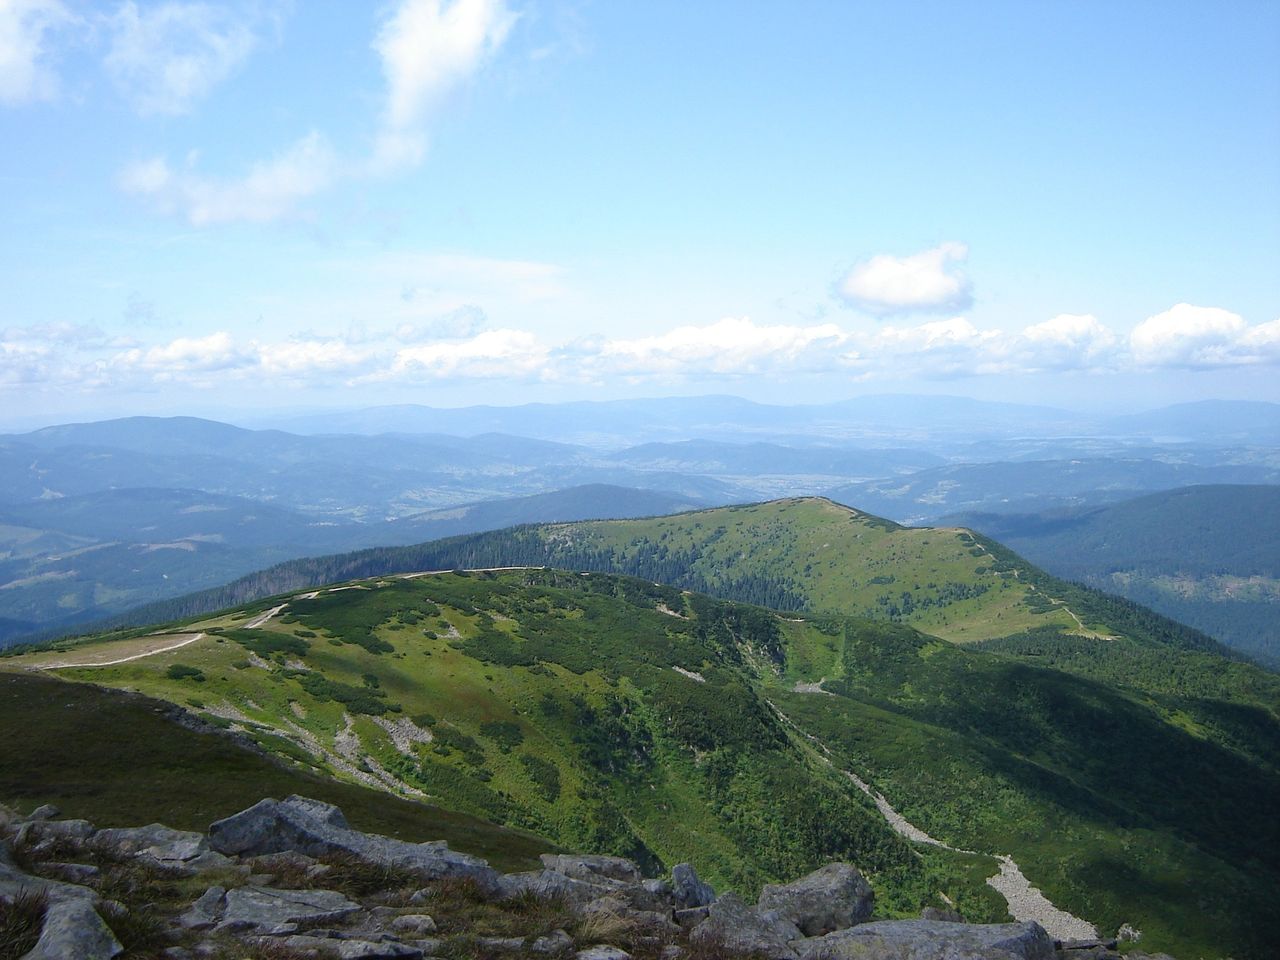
(1209, 556)
(798, 554)
(613, 714)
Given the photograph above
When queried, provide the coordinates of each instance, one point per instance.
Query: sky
(219, 208)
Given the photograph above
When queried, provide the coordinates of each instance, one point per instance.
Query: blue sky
(214, 208)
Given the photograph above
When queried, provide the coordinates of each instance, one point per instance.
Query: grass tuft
(21, 920)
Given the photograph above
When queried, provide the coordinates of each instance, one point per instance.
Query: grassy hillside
(1209, 556)
(798, 554)
(613, 714)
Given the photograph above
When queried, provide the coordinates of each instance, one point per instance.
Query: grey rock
(155, 840)
(602, 952)
(557, 941)
(41, 830)
(737, 928)
(831, 898)
(550, 883)
(413, 925)
(1090, 944)
(206, 911)
(355, 949)
(72, 928)
(46, 811)
(687, 890)
(930, 940)
(658, 889)
(941, 913)
(592, 868)
(319, 829)
(501, 944)
(13, 881)
(249, 908)
(71, 872)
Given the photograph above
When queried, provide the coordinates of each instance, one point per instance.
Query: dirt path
(1025, 901)
(137, 656)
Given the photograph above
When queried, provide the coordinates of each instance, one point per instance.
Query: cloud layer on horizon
(1185, 337)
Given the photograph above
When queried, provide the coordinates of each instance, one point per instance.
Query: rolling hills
(614, 714)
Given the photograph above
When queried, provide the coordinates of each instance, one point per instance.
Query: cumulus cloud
(1066, 342)
(494, 354)
(166, 57)
(185, 356)
(25, 74)
(427, 48)
(1201, 337)
(925, 282)
(734, 345)
(272, 189)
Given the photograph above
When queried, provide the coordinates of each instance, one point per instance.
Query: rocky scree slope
(291, 879)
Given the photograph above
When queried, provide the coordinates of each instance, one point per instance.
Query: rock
(353, 949)
(72, 928)
(13, 881)
(736, 928)
(1093, 943)
(935, 939)
(687, 890)
(206, 911)
(46, 811)
(319, 829)
(602, 952)
(550, 883)
(413, 925)
(157, 840)
(941, 913)
(833, 897)
(80, 873)
(259, 908)
(557, 941)
(1129, 933)
(592, 868)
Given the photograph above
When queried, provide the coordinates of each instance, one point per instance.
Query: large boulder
(319, 829)
(930, 940)
(549, 884)
(737, 929)
(831, 898)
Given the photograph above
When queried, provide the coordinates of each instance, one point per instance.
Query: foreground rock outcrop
(292, 879)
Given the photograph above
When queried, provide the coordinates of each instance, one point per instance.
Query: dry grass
(21, 920)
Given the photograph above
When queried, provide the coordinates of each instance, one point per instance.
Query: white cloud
(922, 283)
(186, 356)
(427, 48)
(489, 355)
(166, 57)
(271, 190)
(734, 345)
(1201, 337)
(1066, 342)
(25, 75)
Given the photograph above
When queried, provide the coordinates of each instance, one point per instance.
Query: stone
(206, 911)
(592, 868)
(80, 873)
(735, 927)
(935, 939)
(831, 898)
(354, 949)
(268, 909)
(557, 941)
(14, 880)
(155, 840)
(46, 811)
(550, 883)
(602, 952)
(941, 913)
(687, 890)
(72, 928)
(413, 925)
(319, 829)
